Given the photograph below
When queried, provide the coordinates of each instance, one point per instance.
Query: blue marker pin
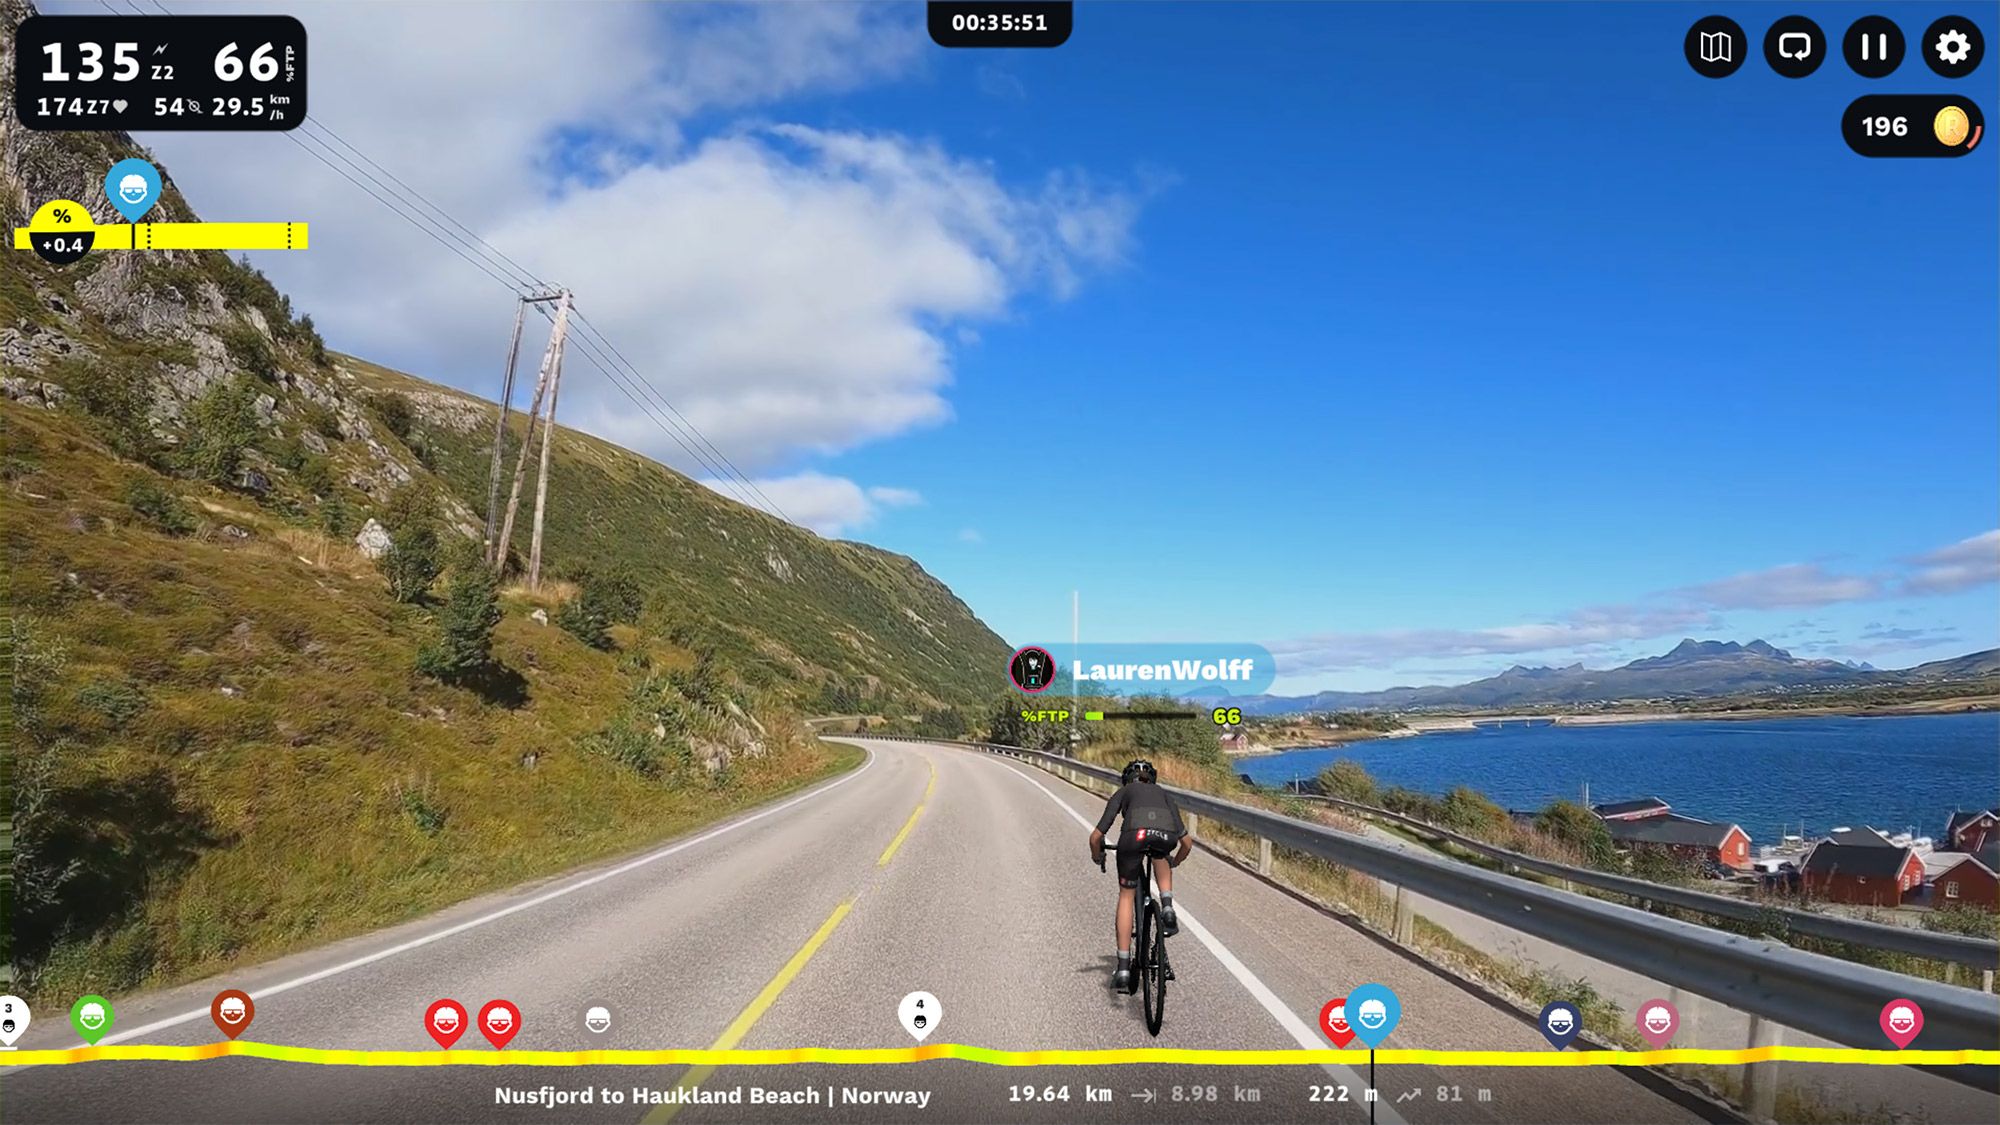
(133, 187)
(1561, 1023)
(1373, 1012)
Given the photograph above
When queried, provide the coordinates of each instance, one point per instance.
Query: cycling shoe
(1169, 925)
(1121, 979)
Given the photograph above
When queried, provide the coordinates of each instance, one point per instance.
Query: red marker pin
(1333, 1022)
(1901, 1021)
(445, 1020)
(232, 1010)
(498, 1021)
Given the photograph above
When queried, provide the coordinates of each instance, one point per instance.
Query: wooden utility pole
(548, 442)
(500, 434)
(551, 360)
(496, 551)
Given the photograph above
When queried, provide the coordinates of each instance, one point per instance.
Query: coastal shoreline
(1449, 723)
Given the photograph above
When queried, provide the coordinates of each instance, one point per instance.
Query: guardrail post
(1194, 829)
(1406, 920)
(1986, 981)
(1951, 972)
(1689, 1006)
(1264, 856)
(1760, 1080)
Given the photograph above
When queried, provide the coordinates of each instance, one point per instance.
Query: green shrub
(309, 335)
(626, 744)
(117, 702)
(157, 508)
(316, 475)
(250, 351)
(465, 644)
(222, 424)
(1349, 781)
(411, 564)
(1581, 829)
(334, 518)
(1471, 812)
(322, 420)
(116, 397)
(585, 617)
(422, 807)
(394, 411)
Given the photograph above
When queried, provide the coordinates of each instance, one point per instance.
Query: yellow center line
(740, 1026)
(889, 852)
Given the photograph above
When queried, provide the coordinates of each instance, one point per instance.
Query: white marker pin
(13, 1020)
(920, 1013)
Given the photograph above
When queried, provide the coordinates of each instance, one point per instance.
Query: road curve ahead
(804, 924)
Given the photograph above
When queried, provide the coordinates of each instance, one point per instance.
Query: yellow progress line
(723, 1053)
(889, 852)
(740, 1026)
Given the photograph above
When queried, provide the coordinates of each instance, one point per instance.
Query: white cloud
(1967, 563)
(828, 505)
(895, 497)
(793, 291)
(1579, 630)
(1779, 587)
(970, 535)
(1690, 609)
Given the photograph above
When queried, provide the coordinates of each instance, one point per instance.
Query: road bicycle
(1150, 968)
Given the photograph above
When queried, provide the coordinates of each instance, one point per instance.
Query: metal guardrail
(1954, 948)
(1839, 1000)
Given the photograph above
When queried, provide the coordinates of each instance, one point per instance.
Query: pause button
(1873, 47)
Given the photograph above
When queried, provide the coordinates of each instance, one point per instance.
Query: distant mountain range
(1693, 670)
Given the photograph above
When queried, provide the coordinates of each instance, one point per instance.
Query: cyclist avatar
(1152, 826)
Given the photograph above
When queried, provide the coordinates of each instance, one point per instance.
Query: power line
(610, 371)
(511, 274)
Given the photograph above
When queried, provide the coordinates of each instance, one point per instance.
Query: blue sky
(1501, 313)
(1412, 341)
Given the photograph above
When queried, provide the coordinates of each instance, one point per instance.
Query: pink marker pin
(1657, 1021)
(1902, 1020)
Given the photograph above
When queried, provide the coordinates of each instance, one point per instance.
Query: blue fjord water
(1890, 772)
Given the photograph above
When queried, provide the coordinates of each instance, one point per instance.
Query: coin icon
(1951, 126)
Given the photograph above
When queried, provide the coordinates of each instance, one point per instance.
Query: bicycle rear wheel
(1153, 978)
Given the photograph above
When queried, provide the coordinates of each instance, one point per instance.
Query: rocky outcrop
(373, 539)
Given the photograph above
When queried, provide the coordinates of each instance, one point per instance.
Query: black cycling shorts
(1149, 841)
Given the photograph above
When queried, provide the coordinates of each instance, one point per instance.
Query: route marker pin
(445, 1020)
(920, 1013)
(232, 1010)
(1561, 1023)
(499, 1020)
(14, 1020)
(1902, 1021)
(1657, 1021)
(1373, 1011)
(91, 1016)
(133, 186)
(1333, 1022)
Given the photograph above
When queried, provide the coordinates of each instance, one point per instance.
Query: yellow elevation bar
(878, 1057)
(188, 236)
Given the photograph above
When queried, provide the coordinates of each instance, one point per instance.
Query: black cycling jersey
(1145, 805)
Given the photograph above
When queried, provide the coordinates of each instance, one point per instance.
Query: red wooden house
(1865, 874)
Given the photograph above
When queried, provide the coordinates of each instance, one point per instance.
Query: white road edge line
(550, 896)
(1300, 1031)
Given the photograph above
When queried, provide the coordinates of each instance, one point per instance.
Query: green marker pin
(91, 1016)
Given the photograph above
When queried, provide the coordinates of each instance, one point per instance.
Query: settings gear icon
(1953, 47)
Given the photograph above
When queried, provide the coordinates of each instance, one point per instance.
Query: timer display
(998, 23)
(160, 72)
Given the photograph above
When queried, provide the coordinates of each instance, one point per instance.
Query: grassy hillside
(227, 744)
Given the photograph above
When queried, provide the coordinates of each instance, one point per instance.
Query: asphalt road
(804, 924)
